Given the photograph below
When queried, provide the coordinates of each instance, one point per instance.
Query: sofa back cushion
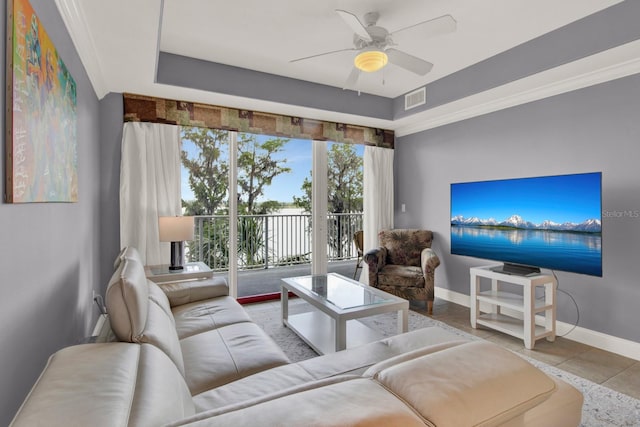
(332, 402)
(127, 300)
(139, 311)
(404, 246)
(107, 384)
(160, 331)
(127, 252)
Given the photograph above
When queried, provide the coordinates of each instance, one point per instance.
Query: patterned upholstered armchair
(404, 264)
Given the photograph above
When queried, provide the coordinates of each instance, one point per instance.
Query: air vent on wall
(415, 98)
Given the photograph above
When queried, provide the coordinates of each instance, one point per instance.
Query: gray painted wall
(49, 253)
(214, 77)
(111, 114)
(593, 129)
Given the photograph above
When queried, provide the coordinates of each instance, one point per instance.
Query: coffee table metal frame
(330, 328)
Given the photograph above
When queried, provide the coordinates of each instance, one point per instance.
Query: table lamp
(176, 229)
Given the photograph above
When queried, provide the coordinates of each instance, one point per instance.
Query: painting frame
(41, 121)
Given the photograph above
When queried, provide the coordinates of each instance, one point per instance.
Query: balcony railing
(271, 240)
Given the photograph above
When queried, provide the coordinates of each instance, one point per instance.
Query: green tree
(208, 170)
(345, 179)
(344, 182)
(258, 165)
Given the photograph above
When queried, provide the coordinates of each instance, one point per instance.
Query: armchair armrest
(429, 261)
(180, 293)
(376, 258)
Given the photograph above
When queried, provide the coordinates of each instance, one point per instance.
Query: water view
(557, 250)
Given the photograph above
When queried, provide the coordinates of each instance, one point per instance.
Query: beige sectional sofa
(190, 355)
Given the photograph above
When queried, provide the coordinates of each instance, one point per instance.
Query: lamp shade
(175, 228)
(371, 60)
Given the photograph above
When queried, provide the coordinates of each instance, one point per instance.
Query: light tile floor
(609, 369)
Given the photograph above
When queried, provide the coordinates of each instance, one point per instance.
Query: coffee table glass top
(339, 291)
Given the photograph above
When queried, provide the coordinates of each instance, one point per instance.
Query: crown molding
(73, 17)
(608, 65)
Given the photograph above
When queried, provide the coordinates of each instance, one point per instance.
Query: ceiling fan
(375, 45)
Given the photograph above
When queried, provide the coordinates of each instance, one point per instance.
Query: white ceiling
(118, 40)
(267, 35)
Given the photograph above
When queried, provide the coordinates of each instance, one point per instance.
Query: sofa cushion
(160, 332)
(277, 393)
(401, 276)
(202, 316)
(181, 293)
(106, 385)
(356, 402)
(139, 312)
(252, 387)
(127, 252)
(564, 408)
(127, 300)
(157, 296)
(226, 354)
(496, 386)
(352, 361)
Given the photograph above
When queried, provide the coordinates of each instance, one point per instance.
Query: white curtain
(149, 186)
(377, 197)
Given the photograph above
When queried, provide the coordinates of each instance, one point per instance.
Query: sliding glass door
(268, 207)
(273, 232)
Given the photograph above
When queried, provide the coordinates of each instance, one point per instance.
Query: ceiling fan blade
(322, 54)
(355, 24)
(408, 62)
(352, 79)
(433, 27)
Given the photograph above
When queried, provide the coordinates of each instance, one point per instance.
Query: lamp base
(177, 255)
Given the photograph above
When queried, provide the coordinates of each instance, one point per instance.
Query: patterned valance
(139, 108)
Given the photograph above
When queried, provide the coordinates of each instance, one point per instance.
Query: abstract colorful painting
(41, 144)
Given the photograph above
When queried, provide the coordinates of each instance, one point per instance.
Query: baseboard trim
(596, 339)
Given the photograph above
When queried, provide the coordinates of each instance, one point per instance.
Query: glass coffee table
(337, 303)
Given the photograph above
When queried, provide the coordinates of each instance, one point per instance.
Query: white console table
(525, 304)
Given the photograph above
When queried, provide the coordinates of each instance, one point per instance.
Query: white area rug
(602, 407)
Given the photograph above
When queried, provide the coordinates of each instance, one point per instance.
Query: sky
(297, 153)
(562, 198)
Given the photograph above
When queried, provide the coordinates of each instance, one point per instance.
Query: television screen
(551, 222)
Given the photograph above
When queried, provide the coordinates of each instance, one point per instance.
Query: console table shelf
(508, 325)
(524, 305)
(510, 300)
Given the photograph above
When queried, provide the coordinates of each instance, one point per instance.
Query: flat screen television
(549, 222)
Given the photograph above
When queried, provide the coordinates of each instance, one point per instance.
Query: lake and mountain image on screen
(549, 222)
(574, 251)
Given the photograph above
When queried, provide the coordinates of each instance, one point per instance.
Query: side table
(191, 271)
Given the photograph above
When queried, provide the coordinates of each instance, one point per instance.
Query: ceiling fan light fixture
(371, 60)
